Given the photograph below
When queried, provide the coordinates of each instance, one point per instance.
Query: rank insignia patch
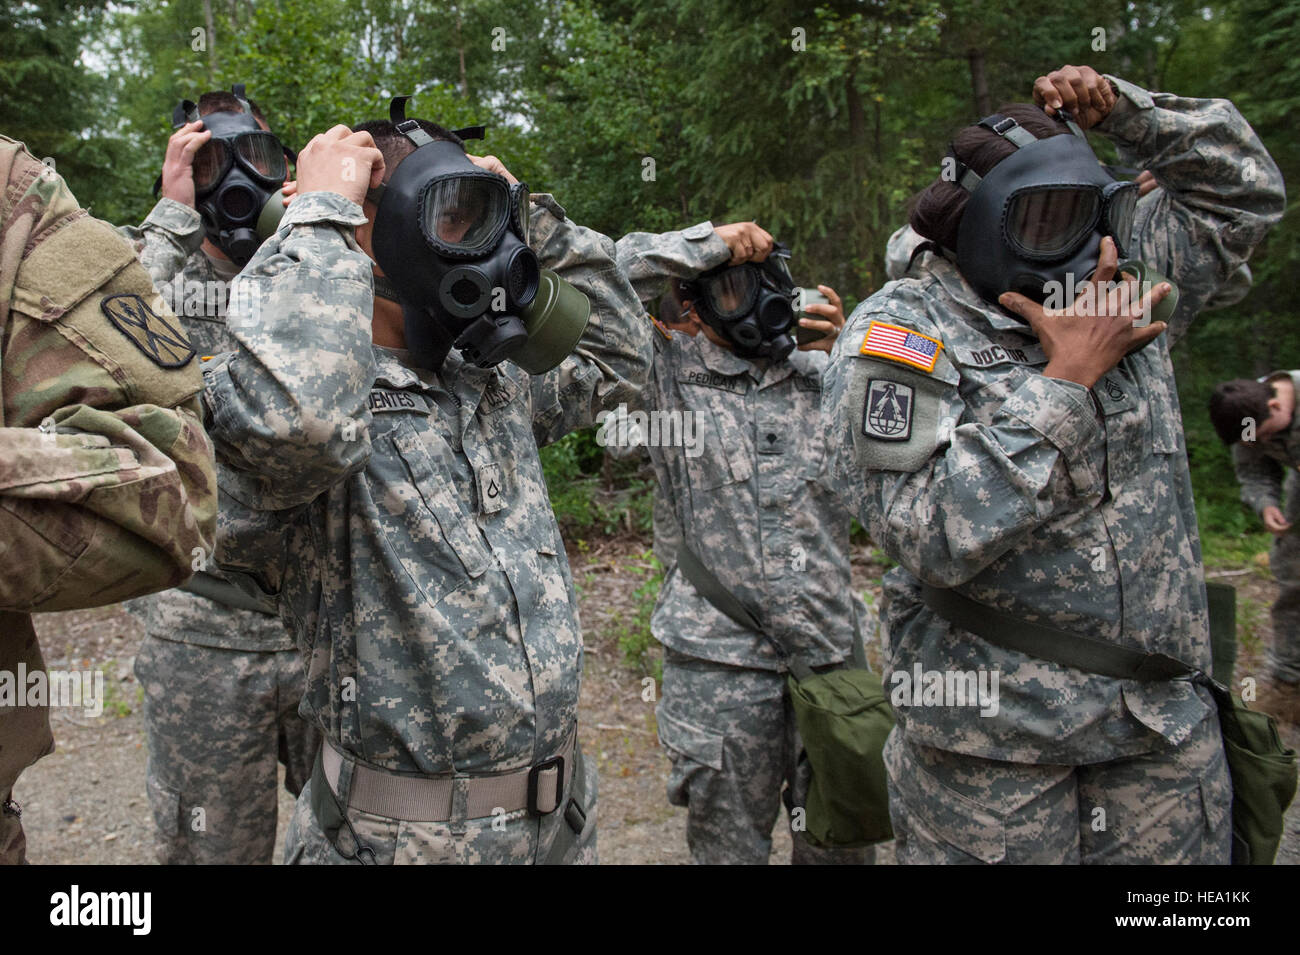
(901, 344)
(888, 412)
(154, 335)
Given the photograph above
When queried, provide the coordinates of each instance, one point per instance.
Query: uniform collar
(722, 361)
(959, 289)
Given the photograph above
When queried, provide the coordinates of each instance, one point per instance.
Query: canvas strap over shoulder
(711, 589)
(1048, 643)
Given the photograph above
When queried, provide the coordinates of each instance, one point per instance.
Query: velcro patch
(807, 383)
(162, 343)
(385, 399)
(736, 384)
(887, 413)
(990, 355)
(499, 392)
(900, 344)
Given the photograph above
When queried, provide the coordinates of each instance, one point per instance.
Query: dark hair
(224, 101)
(1237, 399)
(396, 146)
(670, 303)
(936, 211)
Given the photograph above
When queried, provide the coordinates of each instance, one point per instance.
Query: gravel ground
(86, 802)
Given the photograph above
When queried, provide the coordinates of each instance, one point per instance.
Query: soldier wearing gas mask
(222, 676)
(734, 437)
(1006, 420)
(412, 351)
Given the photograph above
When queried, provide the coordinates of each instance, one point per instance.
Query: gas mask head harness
(237, 178)
(755, 306)
(1036, 220)
(452, 241)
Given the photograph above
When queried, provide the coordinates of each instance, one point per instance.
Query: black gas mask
(238, 174)
(452, 239)
(1036, 221)
(751, 305)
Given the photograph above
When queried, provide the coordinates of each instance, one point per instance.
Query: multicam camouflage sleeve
(610, 362)
(1221, 191)
(107, 485)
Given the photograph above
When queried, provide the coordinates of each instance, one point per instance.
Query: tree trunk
(979, 82)
(213, 67)
(460, 46)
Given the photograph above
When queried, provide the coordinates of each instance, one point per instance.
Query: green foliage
(633, 633)
(594, 494)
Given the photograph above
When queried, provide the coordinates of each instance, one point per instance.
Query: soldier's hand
(831, 327)
(1274, 520)
(1081, 90)
(289, 190)
(492, 164)
(340, 161)
(178, 163)
(1089, 338)
(746, 240)
(1146, 183)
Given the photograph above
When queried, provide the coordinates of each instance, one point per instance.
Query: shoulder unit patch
(163, 344)
(901, 345)
(887, 415)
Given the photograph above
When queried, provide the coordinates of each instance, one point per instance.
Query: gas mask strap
(409, 128)
(385, 288)
(238, 91)
(186, 111)
(470, 132)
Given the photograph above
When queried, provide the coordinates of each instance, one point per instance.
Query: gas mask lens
(210, 163)
(731, 292)
(1049, 223)
(1121, 209)
(463, 215)
(263, 154)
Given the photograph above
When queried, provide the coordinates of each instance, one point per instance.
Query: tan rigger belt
(538, 789)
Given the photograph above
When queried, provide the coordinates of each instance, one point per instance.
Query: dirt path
(86, 802)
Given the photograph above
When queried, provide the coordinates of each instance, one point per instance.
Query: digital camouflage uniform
(1267, 472)
(111, 497)
(1059, 504)
(422, 565)
(755, 507)
(222, 682)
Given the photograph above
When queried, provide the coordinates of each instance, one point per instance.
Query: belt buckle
(534, 773)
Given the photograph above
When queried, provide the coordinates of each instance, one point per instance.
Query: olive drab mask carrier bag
(1263, 771)
(843, 717)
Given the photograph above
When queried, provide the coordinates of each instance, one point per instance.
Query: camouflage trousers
(25, 734)
(218, 722)
(1169, 806)
(730, 733)
(1284, 561)
(517, 838)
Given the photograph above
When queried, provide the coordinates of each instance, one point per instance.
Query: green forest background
(820, 122)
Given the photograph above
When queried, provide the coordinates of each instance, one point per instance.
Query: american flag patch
(901, 344)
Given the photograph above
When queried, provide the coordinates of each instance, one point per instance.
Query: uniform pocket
(725, 442)
(948, 817)
(426, 529)
(693, 750)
